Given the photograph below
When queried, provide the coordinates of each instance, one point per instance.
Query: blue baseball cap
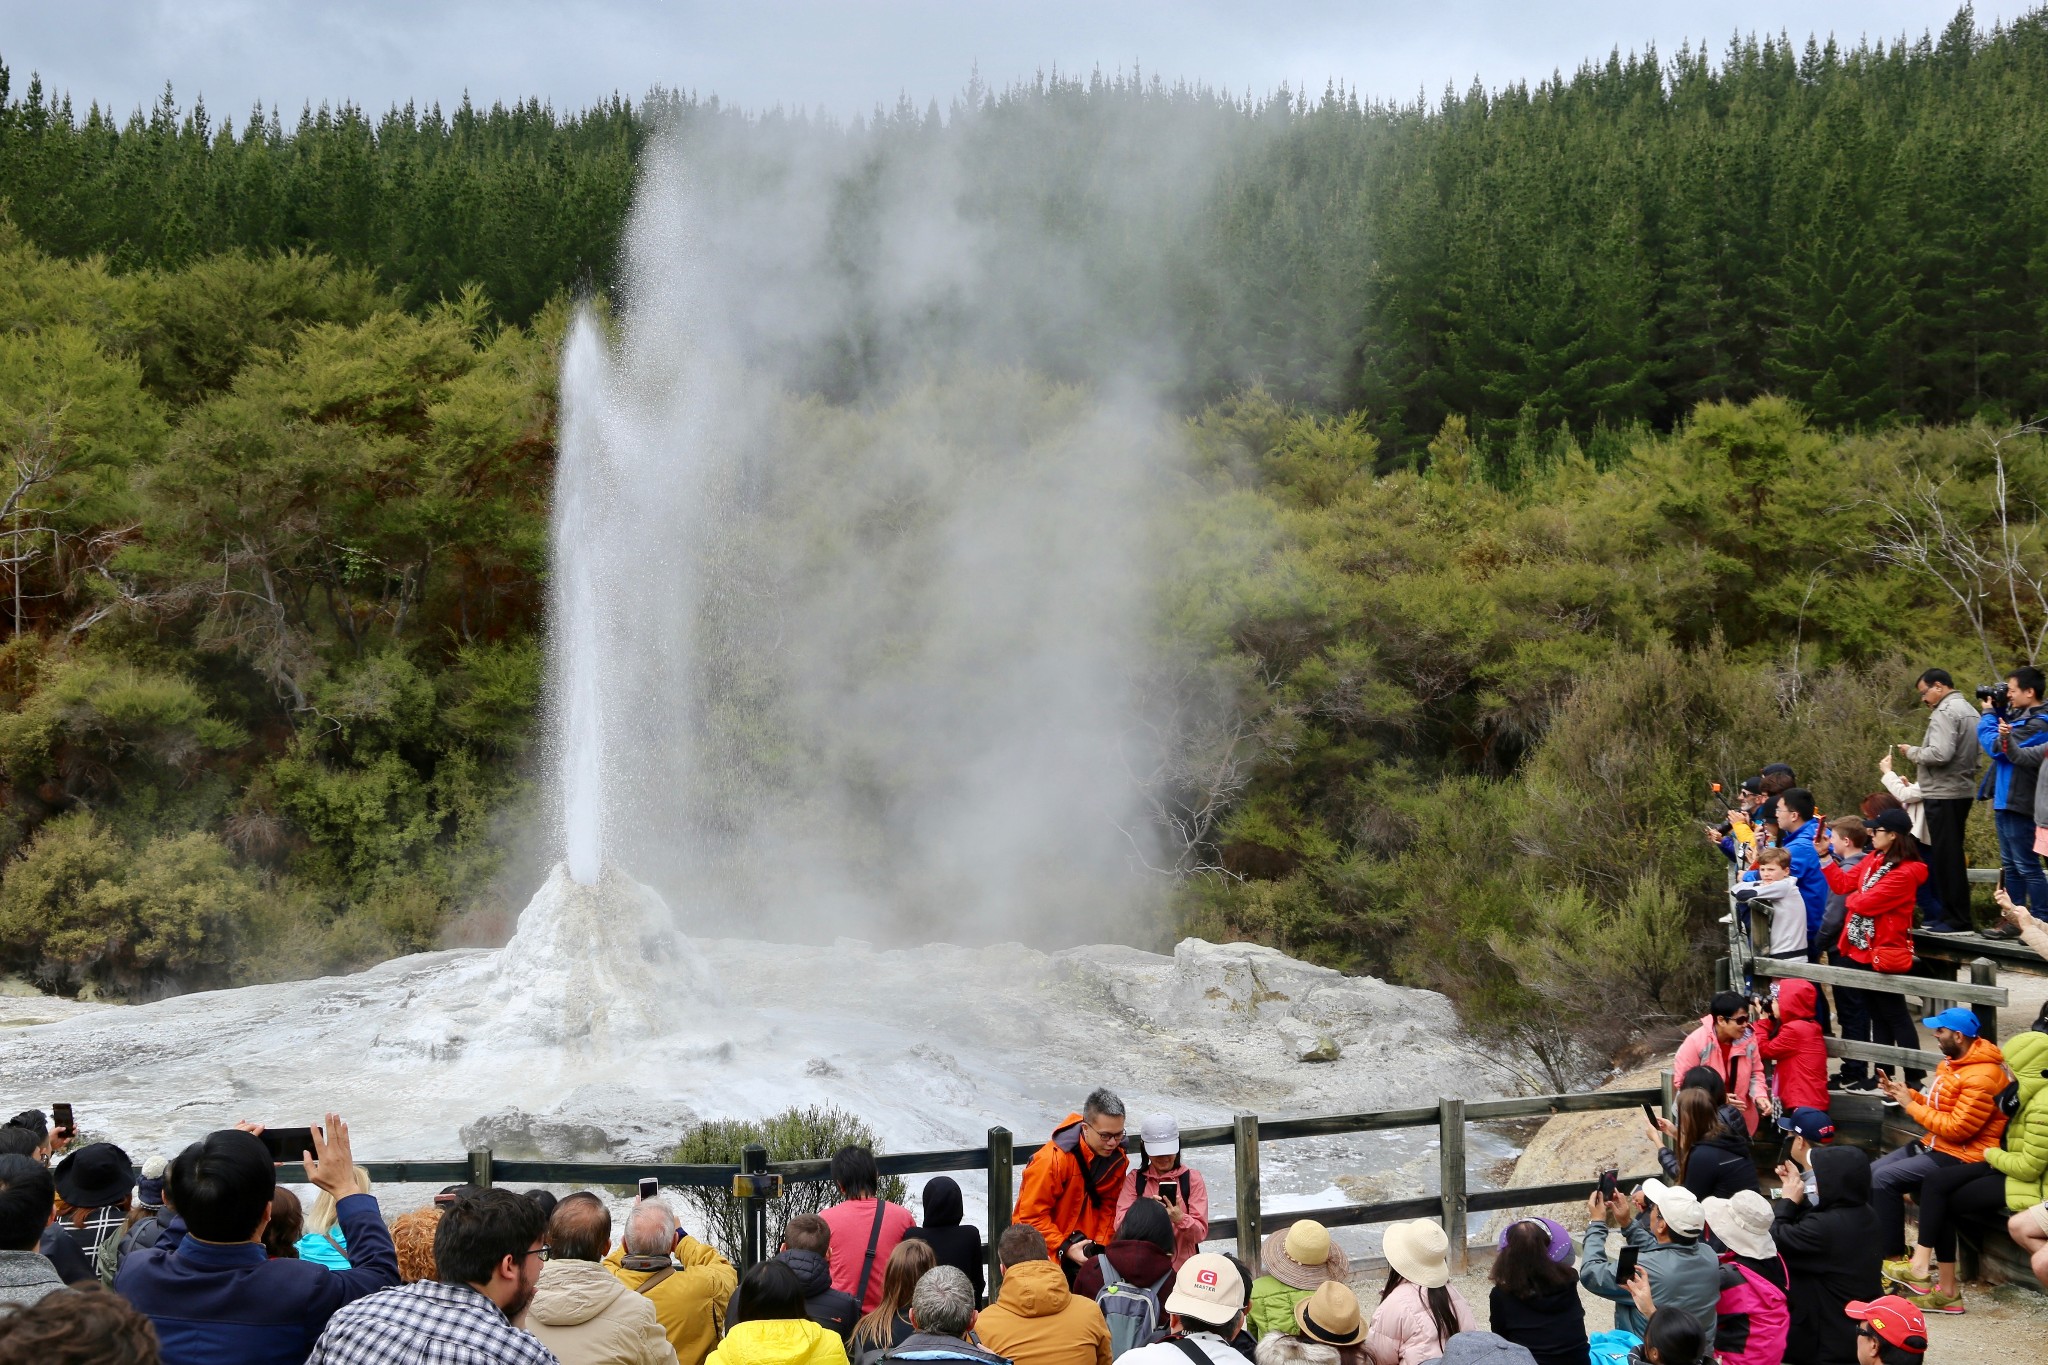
(1961, 1018)
(1812, 1124)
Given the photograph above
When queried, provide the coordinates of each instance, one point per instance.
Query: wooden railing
(999, 1155)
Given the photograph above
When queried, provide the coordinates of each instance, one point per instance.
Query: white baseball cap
(1679, 1206)
(1208, 1289)
(1161, 1135)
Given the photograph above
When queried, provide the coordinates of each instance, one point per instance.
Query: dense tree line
(1858, 229)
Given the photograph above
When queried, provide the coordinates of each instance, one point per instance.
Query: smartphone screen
(649, 1187)
(1608, 1180)
(60, 1114)
(286, 1144)
(1650, 1113)
(1625, 1266)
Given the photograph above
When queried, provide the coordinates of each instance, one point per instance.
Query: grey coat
(1687, 1277)
(1947, 758)
(26, 1276)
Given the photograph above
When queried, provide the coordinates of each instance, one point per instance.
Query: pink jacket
(1188, 1237)
(1740, 1068)
(1402, 1332)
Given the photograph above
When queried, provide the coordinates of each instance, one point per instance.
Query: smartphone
(1170, 1192)
(60, 1116)
(649, 1187)
(286, 1144)
(1625, 1266)
(1650, 1113)
(1609, 1179)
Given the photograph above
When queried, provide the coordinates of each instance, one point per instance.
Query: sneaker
(1865, 1086)
(1934, 1301)
(2003, 932)
(1726, 919)
(1900, 1272)
(1946, 930)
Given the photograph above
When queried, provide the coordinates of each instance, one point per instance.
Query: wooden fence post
(1451, 1177)
(1002, 1197)
(480, 1168)
(1984, 972)
(1244, 1136)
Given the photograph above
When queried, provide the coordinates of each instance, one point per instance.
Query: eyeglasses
(541, 1251)
(1113, 1139)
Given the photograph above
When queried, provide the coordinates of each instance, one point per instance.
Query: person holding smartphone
(1163, 1176)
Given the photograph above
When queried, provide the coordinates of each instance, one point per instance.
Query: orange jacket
(1960, 1110)
(1057, 1195)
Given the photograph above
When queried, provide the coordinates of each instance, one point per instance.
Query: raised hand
(331, 1164)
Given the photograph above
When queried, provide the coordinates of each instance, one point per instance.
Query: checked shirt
(428, 1323)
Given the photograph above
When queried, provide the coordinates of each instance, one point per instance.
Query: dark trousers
(1874, 1017)
(1893, 1176)
(1969, 1189)
(2024, 880)
(1947, 870)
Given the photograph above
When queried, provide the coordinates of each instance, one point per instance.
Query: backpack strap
(1195, 1354)
(328, 1236)
(647, 1285)
(1110, 1278)
(867, 1262)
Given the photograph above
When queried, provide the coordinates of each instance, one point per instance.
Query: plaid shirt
(428, 1323)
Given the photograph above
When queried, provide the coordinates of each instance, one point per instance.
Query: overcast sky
(844, 56)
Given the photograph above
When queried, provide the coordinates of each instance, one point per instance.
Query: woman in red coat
(1877, 936)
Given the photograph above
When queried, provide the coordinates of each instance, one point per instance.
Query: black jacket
(1832, 1254)
(1720, 1166)
(1551, 1327)
(953, 1244)
(826, 1305)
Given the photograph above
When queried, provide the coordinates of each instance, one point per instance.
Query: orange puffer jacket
(1068, 1189)
(1960, 1109)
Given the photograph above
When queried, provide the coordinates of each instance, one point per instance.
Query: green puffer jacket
(2024, 1158)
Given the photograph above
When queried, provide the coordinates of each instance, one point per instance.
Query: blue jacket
(2029, 732)
(216, 1302)
(1813, 887)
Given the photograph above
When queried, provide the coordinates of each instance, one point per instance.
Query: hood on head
(942, 1205)
(572, 1292)
(1036, 1289)
(812, 1272)
(1841, 1176)
(2027, 1055)
(1795, 999)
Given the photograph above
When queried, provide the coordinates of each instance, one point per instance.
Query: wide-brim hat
(1743, 1223)
(1420, 1252)
(1330, 1315)
(95, 1176)
(1298, 1268)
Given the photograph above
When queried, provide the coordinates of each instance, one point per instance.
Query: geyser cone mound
(597, 962)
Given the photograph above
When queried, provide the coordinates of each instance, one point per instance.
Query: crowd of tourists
(202, 1258)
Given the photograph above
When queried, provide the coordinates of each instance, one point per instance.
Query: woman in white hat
(1296, 1259)
(1754, 1319)
(1164, 1177)
(1419, 1312)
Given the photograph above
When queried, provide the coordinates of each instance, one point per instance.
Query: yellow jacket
(690, 1304)
(780, 1341)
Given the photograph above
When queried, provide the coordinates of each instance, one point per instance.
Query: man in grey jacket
(27, 1194)
(1946, 760)
(1684, 1272)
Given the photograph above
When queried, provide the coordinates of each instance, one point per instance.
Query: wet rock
(516, 1134)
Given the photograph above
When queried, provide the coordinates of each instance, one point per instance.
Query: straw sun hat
(1331, 1316)
(1302, 1256)
(1420, 1252)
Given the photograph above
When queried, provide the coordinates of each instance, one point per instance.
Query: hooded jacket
(779, 1341)
(1067, 1189)
(1797, 1050)
(1037, 1320)
(932, 1346)
(1404, 1332)
(1831, 1251)
(828, 1307)
(690, 1304)
(1739, 1067)
(1687, 1277)
(1192, 1230)
(1960, 1109)
(216, 1301)
(1139, 1263)
(2023, 1159)
(952, 1243)
(1550, 1327)
(1878, 899)
(1947, 757)
(584, 1315)
(1718, 1167)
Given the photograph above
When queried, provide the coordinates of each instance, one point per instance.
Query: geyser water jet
(575, 634)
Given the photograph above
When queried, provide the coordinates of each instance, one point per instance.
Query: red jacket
(1795, 1047)
(1878, 897)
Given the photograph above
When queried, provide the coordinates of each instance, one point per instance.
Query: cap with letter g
(1207, 1289)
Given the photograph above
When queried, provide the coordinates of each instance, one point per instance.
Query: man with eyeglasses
(488, 1253)
(1069, 1191)
(1724, 1043)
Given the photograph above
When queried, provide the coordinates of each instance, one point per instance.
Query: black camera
(1995, 694)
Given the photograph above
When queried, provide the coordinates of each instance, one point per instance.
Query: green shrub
(811, 1134)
